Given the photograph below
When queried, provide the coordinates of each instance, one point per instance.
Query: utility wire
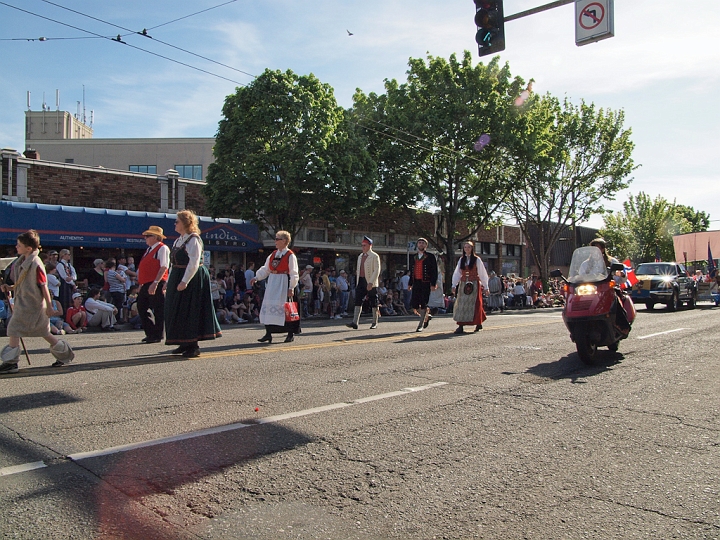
(191, 15)
(119, 40)
(145, 34)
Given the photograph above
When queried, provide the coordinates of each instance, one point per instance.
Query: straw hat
(155, 231)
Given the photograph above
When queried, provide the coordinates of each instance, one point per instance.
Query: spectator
(519, 294)
(306, 290)
(131, 275)
(404, 286)
(344, 290)
(240, 279)
(249, 274)
(102, 314)
(386, 309)
(58, 326)
(68, 276)
(398, 305)
(76, 316)
(96, 276)
(131, 309)
(53, 279)
(116, 286)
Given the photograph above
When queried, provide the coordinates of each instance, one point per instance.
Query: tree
(645, 227)
(285, 153)
(573, 158)
(422, 134)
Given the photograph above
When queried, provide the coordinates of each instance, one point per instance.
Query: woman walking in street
(281, 271)
(469, 280)
(189, 312)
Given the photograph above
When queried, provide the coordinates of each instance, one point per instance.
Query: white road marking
(7, 471)
(661, 333)
(211, 431)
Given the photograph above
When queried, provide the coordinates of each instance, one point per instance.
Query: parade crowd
(172, 296)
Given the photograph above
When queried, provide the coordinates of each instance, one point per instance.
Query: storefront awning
(96, 227)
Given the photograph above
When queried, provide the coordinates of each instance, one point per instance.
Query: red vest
(282, 266)
(150, 266)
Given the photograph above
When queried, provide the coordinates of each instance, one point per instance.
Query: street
(370, 434)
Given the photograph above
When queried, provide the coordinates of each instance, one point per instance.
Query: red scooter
(597, 312)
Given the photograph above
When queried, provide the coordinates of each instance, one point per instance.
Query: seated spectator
(398, 304)
(58, 326)
(226, 316)
(130, 308)
(386, 309)
(76, 316)
(102, 314)
(519, 294)
(96, 276)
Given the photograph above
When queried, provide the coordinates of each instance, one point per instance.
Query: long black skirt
(190, 314)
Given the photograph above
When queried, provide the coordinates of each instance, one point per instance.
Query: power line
(191, 15)
(145, 34)
(119, 40)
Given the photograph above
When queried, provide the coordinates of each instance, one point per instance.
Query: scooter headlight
(586, 289)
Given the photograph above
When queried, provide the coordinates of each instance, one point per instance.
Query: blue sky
(662, 67)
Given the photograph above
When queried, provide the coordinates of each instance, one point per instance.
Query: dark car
(663, 283)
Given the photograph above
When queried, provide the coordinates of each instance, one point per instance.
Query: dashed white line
(661, 333)
(211, 431)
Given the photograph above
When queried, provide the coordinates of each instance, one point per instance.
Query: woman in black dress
(189, 312)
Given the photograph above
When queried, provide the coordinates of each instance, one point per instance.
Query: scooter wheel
(587, 350)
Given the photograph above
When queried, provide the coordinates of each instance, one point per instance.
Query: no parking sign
(593, 21)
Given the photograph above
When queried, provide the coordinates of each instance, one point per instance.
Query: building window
(189, 171)
(379, 239)
(511, 250)
(315, 235)
(343, 237)
(145, 169)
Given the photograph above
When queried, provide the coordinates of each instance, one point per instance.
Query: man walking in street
(423, 279)
(368, 274)
(152, 275)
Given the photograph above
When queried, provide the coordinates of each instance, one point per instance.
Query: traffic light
(490, 23)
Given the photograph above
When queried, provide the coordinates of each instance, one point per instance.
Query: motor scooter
(597, 312)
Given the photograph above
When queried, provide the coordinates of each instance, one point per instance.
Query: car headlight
(586, 289)
(666, 279)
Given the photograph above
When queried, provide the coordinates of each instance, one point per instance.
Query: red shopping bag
(291, 312)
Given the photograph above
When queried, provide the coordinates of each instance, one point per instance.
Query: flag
(712, 269)
(657, 254)
(630, 273)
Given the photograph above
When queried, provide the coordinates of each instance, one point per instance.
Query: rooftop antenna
(57, 99)
(77, 115)
(92, 117)
(28, 100)
(44, 105)
(84, 119)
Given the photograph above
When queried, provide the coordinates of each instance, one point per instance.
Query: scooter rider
(624, 302)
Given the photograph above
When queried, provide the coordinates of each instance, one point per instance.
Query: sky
(662, 67)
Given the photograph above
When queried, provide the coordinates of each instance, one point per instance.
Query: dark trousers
(361, 292)
(151, 309)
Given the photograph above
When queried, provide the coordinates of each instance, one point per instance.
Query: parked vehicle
(597, 312)
(664, 283)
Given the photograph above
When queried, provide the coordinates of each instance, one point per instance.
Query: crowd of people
(171, 295)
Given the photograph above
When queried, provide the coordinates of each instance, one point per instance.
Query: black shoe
(8, 368)
(373, 326)
(299, 331)
(459, 330)
(352, 325)
(144, 340)
(181, 349)
(289, 339)
(57, 363)
(478, 328)
(427, 321)
(152, 340)
(193, 352)
(266, 337)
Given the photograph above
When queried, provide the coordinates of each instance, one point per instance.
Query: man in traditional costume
(152, 275)
(423, 279)
(368, 275)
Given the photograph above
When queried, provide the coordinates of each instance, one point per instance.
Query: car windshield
(655, 269)
(587, 265)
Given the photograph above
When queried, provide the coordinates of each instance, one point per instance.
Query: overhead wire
(446, 150)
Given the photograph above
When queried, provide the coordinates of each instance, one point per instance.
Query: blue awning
(96, 227)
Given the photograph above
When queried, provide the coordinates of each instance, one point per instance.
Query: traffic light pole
(538, 9)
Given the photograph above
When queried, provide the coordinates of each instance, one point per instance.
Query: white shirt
(53, 285)
(93, 306)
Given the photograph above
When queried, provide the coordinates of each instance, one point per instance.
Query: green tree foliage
(422, 134)
(285, 153)
(646, 224)
(572, 159)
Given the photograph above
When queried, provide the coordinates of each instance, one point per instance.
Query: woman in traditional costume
(281, 271)
(469, 280)
(189, 312)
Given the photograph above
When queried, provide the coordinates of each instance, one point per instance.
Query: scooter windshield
(587, 265)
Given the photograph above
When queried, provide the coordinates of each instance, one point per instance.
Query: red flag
(630, 273)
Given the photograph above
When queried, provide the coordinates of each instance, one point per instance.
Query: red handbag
(291, 312)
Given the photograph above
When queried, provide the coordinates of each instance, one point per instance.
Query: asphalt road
(370, 434)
